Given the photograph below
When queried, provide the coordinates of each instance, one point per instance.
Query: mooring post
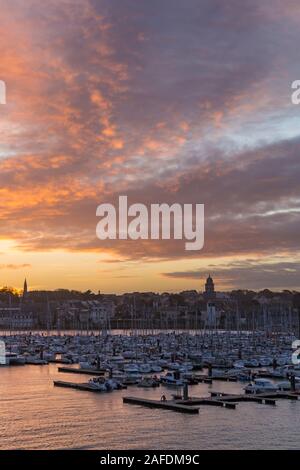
(185, 391)
(293, 382)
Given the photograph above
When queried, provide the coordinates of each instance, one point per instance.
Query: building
(85, 313)
(13, 318)
(209, 292)
(101, 312)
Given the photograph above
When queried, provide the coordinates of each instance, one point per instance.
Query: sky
(165, 101)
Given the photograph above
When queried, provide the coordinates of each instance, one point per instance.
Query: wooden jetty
(72, 370)
(209, 401)
(209, 379)
(216, 399)
(229, 397)
(279, 394)
(86, 387)
(265, 397)
(58, 361)
(172, 405)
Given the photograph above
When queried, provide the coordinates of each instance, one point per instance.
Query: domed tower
(209, 292)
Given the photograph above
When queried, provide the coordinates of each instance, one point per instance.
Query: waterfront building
(13, 318)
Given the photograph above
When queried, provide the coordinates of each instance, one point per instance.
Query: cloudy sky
(162, 100)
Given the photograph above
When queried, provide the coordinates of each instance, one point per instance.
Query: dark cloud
(165, 101)
(249, 274)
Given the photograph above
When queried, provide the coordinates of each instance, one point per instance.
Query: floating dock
(243, 398)
(72, 370)
(191, 405)
(209, 401)
(281, 394)
(209, 379)
(165, 405)
(82, 386)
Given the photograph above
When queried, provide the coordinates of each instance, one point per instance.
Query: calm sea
(36, 415)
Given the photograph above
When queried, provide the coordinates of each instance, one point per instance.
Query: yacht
(148, 382)
(13, 359)
(172, 378)
(286, 384)
(260, 386)
(291, 369)
(145, 368)
(104, 385)
(131, 369)
(251, 363)
(156, 368)
(265, 361)
(98, 384)
(239, 364)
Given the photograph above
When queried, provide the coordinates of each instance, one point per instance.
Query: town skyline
(200, 288)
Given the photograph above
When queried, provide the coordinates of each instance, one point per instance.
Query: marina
(149, 244)
(172, 373)
(53, 417)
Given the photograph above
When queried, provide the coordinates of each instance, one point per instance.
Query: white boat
(13, 359)
(239, 364)
(277, 373)
(148, 382)
(162, 362)
(35, 360)
(86, 365)
(251, 363)
(260, 386)
(156, 368)
(105, 385)
(97, 384)
(172, 378)
(217, 372)
(173, 365)
(283, 360)
(118, 375)
(265, 361)
(186, 367)
(131, 369)
(292, 369)
(145, 368)
(240, 374)
(129, 354)
(132, 378)
(286, 384)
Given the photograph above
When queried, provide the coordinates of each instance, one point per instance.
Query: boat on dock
(172, 379)
(261, 385)
(148, 382)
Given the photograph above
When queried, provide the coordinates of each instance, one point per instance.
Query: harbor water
(36, 415)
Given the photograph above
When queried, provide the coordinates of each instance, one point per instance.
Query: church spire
(25, 289)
